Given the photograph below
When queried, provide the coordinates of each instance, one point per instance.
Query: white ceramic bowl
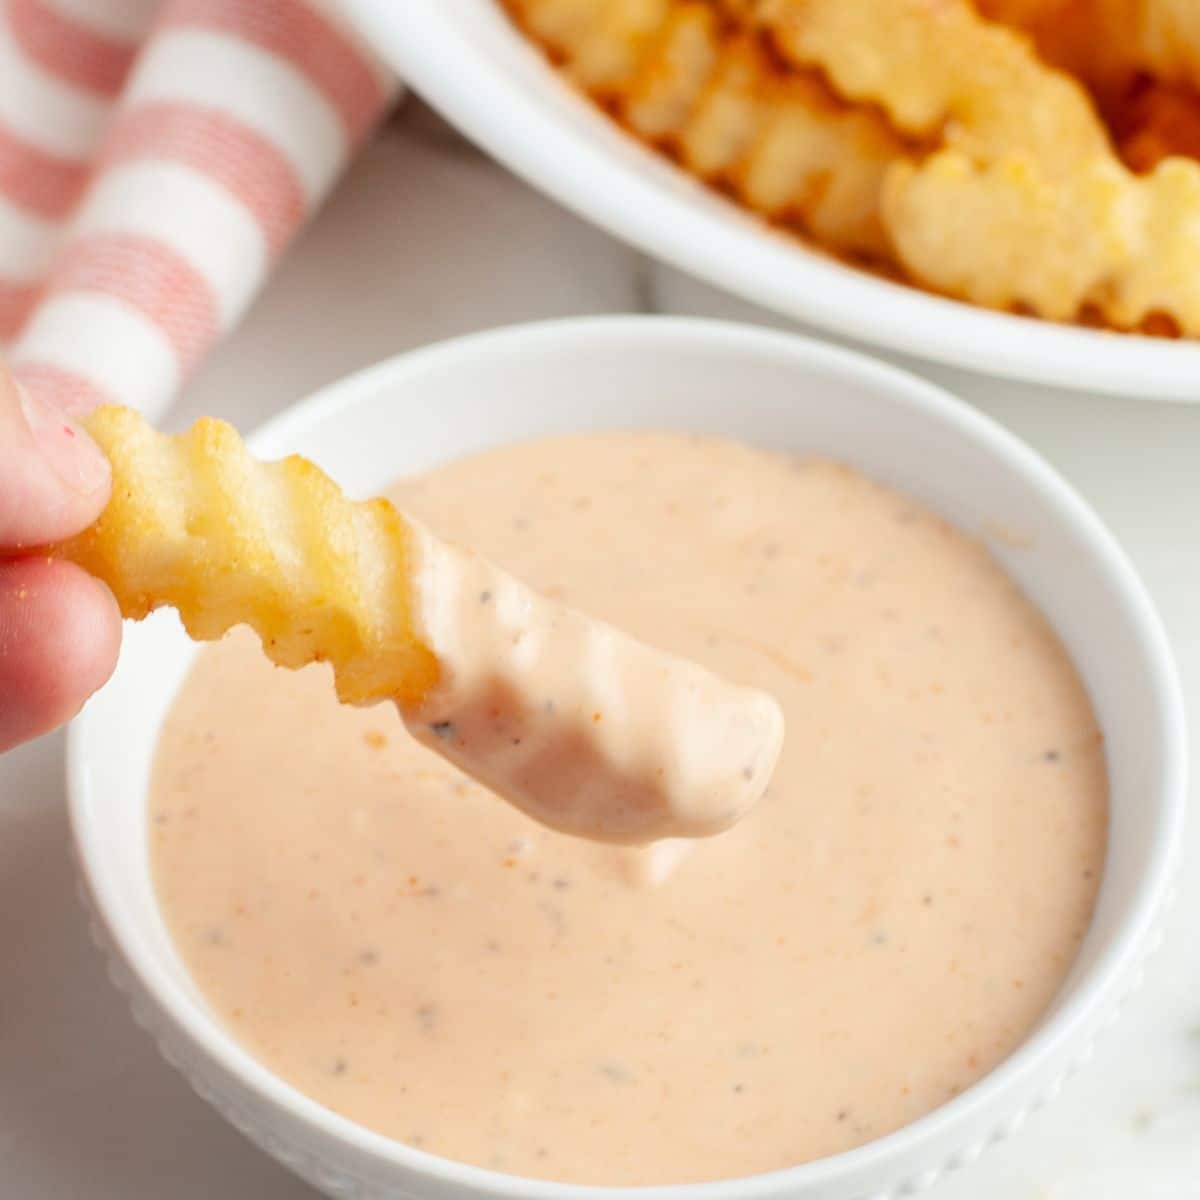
(780, 391)
(466, 59)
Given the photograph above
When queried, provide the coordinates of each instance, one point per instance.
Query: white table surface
(425, 239)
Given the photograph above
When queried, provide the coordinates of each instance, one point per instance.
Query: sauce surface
(886, 925)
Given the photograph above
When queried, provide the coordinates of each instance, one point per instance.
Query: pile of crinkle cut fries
(1036, 156)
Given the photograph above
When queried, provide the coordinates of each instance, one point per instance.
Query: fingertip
(57, 480)
(60, 631)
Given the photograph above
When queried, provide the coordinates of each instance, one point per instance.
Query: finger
(54, 481)
(59, 633)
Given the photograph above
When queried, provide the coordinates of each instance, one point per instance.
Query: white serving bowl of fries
(786, 393)
(468, 61)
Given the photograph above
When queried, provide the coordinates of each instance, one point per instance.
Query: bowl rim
(1095, 989)
(749, 258)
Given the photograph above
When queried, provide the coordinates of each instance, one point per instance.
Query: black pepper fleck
(485, 597)
(443, 729)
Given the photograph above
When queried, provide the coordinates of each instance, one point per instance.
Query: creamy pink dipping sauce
(881, 930)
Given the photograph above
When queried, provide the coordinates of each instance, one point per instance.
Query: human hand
(59, 627)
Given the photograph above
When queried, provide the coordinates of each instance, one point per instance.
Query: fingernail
(64, 446)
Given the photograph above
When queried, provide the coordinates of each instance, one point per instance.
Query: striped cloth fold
(156, 157)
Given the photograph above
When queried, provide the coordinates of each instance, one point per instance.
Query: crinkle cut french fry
(506, 684)
(677, 75)
(198, 524)
(940, 71)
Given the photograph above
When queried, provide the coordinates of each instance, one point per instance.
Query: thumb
(54, 480)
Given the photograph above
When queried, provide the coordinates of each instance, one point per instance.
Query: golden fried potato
(941, 73)
(601, 43)
(691, 84)
(1107, 41)
(197, 524)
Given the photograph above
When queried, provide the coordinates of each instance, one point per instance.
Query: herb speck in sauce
(616, 1072)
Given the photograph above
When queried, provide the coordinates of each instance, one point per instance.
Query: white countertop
(425, 240)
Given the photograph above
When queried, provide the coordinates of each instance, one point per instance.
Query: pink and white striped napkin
(156, 156)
